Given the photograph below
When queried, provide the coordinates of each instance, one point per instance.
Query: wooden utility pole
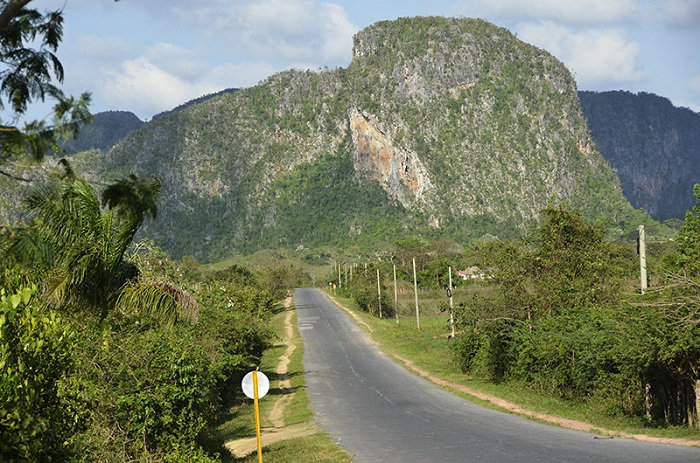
(379, 294)
(396, 297)
(642, 249)
(415, 291)
(452, 313)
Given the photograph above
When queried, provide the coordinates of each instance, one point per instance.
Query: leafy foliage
(79, 247)
(27, 77)
(38, 403)
(556, 318)
(547, 323)
(151, 389)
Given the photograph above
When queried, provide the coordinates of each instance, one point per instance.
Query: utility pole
(642, 249)
(415, 291)
(452, 313)
(379, 294)
(396, 297)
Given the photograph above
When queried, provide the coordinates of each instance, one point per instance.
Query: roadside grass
(315, 448)
(429, 349)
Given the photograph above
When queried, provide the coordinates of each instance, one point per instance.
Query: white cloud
(276, 29)
(337, 34)
(240, 75)
(598, 57)
(176, 61)
(568, 11)
(147, 89)
(105, 48)
(167, 76)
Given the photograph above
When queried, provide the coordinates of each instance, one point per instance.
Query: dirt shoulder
(278, 432)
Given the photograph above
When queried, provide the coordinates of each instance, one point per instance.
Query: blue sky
(148, 56)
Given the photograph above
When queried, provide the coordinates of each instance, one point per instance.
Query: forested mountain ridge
(105, 130)
(653, 146)
(438, 126)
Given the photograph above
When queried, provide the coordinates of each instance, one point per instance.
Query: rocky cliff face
(398, 170)
(497, 121)
(439, 126)
(653, 146)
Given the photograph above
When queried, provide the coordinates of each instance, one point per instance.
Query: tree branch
(14, 177)
(12, 9)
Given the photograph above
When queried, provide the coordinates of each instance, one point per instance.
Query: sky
(149, 56)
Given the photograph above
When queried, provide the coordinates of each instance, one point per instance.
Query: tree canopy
(30, 71)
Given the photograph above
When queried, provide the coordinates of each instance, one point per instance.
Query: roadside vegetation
(558, 317)
(111, 351)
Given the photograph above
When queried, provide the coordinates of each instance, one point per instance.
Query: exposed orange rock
(398, 170)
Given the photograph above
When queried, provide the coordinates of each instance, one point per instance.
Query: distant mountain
(105, 130)
(653, 146)
(442, 127)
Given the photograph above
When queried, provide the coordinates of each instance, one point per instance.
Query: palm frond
(158, 300)
(28, 249)
(56, 286)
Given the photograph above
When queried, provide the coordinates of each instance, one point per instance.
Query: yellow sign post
(255, 386)
(257, 415)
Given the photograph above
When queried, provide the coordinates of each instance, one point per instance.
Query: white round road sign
(263, 385)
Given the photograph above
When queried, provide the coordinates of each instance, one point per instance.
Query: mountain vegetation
(441, 127)
(653, 146)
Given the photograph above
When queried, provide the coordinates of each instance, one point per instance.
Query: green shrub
(152, 390)
(465, 347)
(37, 409)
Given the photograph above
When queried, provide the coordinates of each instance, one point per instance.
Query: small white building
(471, 273)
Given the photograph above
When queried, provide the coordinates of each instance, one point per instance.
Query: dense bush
(145, 352)
(547, 323)
(557, 319)
(153, 389)
(38, 401)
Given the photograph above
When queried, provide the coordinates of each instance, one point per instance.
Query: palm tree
(82, 245)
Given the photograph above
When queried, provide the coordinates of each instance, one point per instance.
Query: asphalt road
(379, 412)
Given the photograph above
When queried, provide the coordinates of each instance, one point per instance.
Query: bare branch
(14, 177)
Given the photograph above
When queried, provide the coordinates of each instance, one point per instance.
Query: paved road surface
(379, 412)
